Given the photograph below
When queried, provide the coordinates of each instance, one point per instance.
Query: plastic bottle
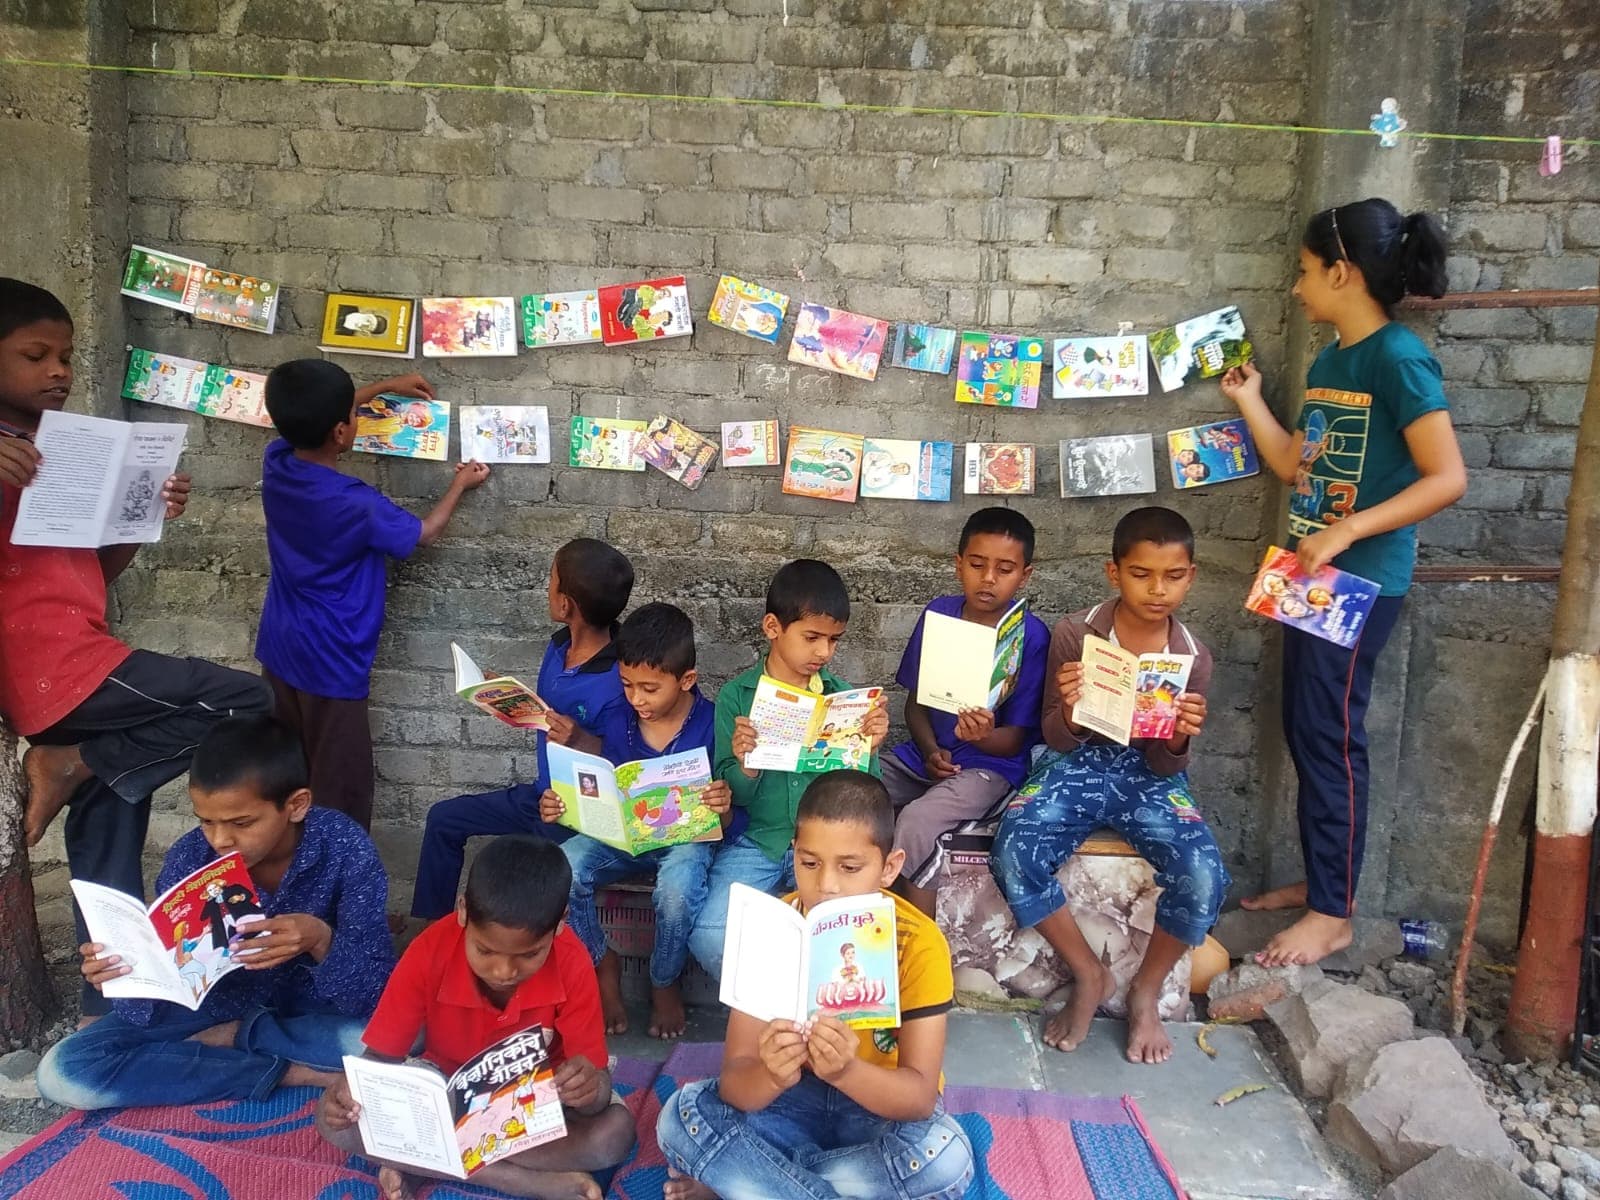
(1427, 940)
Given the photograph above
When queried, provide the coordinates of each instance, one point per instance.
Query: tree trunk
(26, 1001)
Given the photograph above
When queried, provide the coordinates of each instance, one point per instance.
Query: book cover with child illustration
(651, 308)
(677, 451)
(750, 444)
(635, 806)
(927, 348)
(905, 470)
(404, 427)
(999, 469)
(606, 444)
(234, 395)
(748, 308)
(1205, 454)
(999, 370)
(164, 379)
(1199, 348)
(469, 327)
(1332, 604)
(560, 319)
(1100, 366)
(383, 326)
(157, 277)
(240, 301)
(835, 340)
(823, 464)
(504, 433)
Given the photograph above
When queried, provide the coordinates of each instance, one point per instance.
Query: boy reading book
(503, 962)
(665, 714)
(329, 539)
(955, 766)
(1139, 790)
(807, 610)
(312, 969)
(590, 583)
(814, 1108)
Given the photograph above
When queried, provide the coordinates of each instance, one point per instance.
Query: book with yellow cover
(382, 325)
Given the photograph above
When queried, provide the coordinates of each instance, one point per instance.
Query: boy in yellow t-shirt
(819, 1109)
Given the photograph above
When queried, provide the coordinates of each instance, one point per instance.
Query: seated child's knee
(681, 1128)
(940, 1165)
(62, 1079)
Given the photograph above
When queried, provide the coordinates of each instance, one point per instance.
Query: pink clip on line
(1550, 161)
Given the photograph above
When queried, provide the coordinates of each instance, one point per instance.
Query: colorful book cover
(823, 464)
(652, 308)
(677, 451)
(999, 370)
(469, 327)
(839, 341)
(560, 319)
(169, 280)
(748, 308)
(241, 301)
(966, 664)
(1123, 464)
(929, 348)
(1332, 605)
(404, 427)
(636, 806)
(502, 433)
(505, 698)
(606, 444)
(1127, 695)
(906, 470)
(750, 444)
(1101, 366)
(1000, 469)
(1205, 454)
(234, 395)
(797, 730)
(1199, 348)
(163, 379)
(385, 326)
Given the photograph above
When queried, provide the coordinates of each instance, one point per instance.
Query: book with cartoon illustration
(505, 433)
(1128, 695)
(905, 470)
(469, 327)
(750, 444)
(504, 698)
(1100, 366)
(835, 340)
(838, 960)
(384, 326)
(822, 464)
(1199, 348)
(177, 950)
(239, 301)
(999, 469)
(157, 277)
(605, 444)
(560, 319)
(1205, 454)
(966, 664)
(927, 348)
(748, 308)
(233, 395)
(797, 730)
(1122, 464)
(651, 308)
(502, 1101)
(677, 451)
(1332, 604)
(404, 427)
(638, 806)
(999, 370)
(164, 379)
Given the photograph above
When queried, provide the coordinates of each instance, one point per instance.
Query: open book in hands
(965, 664)
(797, 730)
(637, 806)
(1128, 695)
(504, 697)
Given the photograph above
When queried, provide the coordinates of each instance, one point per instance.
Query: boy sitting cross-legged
(502, 963)
(665, 714)
(1140, 791)
(805, 1111)
(316, 965)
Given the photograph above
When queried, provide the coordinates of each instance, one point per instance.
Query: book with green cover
(635, 806)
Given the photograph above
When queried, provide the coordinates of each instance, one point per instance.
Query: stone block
(492, 28)
(677, 40)
(815, 46)
(291, 20)
(494, 196)
(1174, 267)
(702, 210)
(560, 160)
(367, 109)
(227, 143)
(287, 191)
(445, 156)
(580, 203)
(173, 97)
(706, 124)
(1535, 451)
(900, 220)
(450, 237)
(384, 24)
(1328, 1025)
(330, 148)
(599, 37)
(1547, 364)
(1243, 993)
(808, 130)
(322, 231)
(1053, 266)
(1448, 1174)
(736, 170)
(225, 225)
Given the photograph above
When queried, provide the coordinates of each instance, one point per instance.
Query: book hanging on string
(748, 308)
(404, 427)
(1092, 367)
(999, 469)
(1202, 455)
(999, 370)
(384, 326)
(823, 464)
(560, 319)
(927, 348)
(677, 451)
(832, 339)
(503, 433)
(751, 444)
(469, 327)
(1199, 348)
(643, 311)
(892, 469)
(1119, 465)
(605, 444)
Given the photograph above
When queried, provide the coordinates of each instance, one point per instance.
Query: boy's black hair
(257, 751)
(1398, 256)
(852, 796)
(519, 881)
(1006, 522)
(1152, 524)
(306, 398)
(23, 303)
(807, 587)
(657, 635)
(597, 577)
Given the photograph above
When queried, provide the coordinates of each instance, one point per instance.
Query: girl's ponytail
(1422, 256)
(1397, 255)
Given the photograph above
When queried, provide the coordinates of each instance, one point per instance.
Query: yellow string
(757, 102)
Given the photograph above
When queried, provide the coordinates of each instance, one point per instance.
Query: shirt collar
(458, 986)
(603, 659)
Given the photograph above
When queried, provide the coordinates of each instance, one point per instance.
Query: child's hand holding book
(717, 796)
(413, 386)
(338, 1108)
(582, 1085)
(262, 945)
(876, 724)
(831, 1047)
(551, 807)
(100, 968)
(1191, 716)
(782, 1048)
(743, 742)
(974, 724)
(19, 461)
(1069, 685)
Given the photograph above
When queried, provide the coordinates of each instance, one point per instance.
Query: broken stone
(1330, 1024)
(1243, 932)
(1571, 1189)
(1577, 1162)
(1411, 976)
(1450, 1175)
(1547, 1177)
(1243, 993)
(18, 1065)
(1375, 940)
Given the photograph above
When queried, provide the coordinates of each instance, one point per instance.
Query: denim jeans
(682, 875)
(117, 1064)
(738, 861)
(812, 1143)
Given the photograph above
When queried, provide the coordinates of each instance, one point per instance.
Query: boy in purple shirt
(955, 767)
(329, 539)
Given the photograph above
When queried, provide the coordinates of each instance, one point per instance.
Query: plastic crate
(628, 918)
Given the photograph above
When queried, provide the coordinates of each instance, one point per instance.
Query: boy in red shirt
(502, 963)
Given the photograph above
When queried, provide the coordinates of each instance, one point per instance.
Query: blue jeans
(451, 822)
(738, 861)
(117, 1064)
(682, 875)
(1100, 785)
(812, 1143)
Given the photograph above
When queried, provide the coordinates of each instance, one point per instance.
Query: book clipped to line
(404, 427)
(385, 326)
(1332, 605)
(499, 433)
(233, 395)
(833, 339)
(999, 370)
(501, 1102)
(797, 730)
(1101, 366)
(1128, 695)
(241, 301)
(999, 469)
(748, 308)
(1199, 348)
(1119, 465)
(638, 312)
(606, 444)
(184, 383)
(906, 470)
(677, 451)
(183, 944)
(469, 327)
(839, 960)
(927, 348)
(750, 444)
(504, 698)
(1205, 454)
(635, 806)
(157, 277)
(966, 664)
(823, 464)
(560, 319)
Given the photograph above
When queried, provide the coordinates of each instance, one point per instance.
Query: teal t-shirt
(1359, 400)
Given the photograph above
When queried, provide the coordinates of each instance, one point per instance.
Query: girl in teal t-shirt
(1372, 454)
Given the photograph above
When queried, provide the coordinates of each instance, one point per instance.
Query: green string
(756, 102)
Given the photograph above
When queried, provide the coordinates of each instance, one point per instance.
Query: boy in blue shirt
(956, 766)
(590, 583)
(665, 714)
(318, 961)
(329, 539)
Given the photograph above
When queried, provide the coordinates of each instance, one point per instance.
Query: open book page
(587, 785)
(764, 960)
(504, 1100)
(504, 698)
(662, 801)
(957, 658)
(1109, 677)
(798, 730)
(119, 923)
(853, 970)
(137, 511)
(405, 1114)
(837, 741)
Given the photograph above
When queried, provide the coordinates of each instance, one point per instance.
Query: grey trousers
(924, 809)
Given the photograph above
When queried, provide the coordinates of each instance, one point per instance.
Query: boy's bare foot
(1147, 1036)
(609, 972)
(680, 1187)
(1293, 896)
(395, 1184)
(1067, 1029)
(667, 1018)
(54, 773)
(218, 1035)
(562, 1185)
(1310, 939)
(299, 1075)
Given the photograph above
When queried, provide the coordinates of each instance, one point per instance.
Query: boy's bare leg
(1292, 896)
(300, 1075)
(53, 773)
(609, 971)
(218, 1035)
(1092, 983)
(667, 1017)
(923, 898)
(681, 1187)
(1147, 1037)
(1310, 939)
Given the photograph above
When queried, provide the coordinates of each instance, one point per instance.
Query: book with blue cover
(1332, 604)
(1205, 454)
(892, 469)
